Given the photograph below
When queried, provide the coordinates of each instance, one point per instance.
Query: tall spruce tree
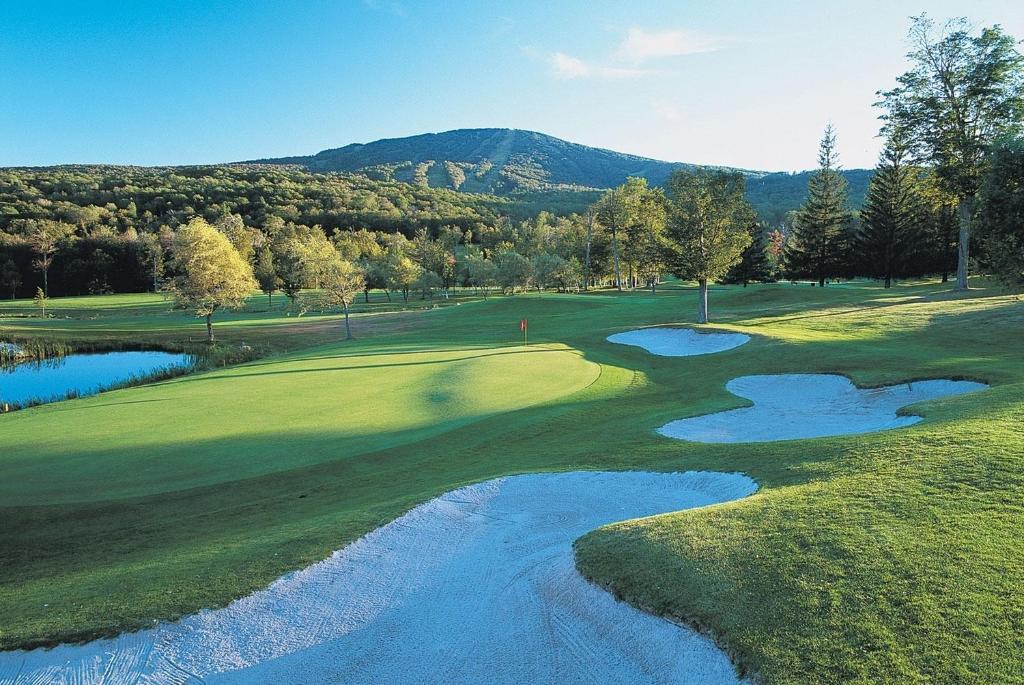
(894, 215)
(818, 230)
(754, 264)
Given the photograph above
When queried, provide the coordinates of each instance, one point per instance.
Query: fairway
(154, 502)
(327, 404)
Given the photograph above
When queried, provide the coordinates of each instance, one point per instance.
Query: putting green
(326, 404)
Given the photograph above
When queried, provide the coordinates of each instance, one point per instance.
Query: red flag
(522, 324)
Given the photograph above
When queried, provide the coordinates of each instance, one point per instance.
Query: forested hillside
(490, 160)
(775, 195)
(114, 210)
(510, 161)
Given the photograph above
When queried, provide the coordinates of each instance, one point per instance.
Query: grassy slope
(892, 557)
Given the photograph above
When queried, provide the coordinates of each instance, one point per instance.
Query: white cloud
(668, 111)
(565, 66)
(641, 46)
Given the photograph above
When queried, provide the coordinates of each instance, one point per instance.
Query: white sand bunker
(679, 342)
(476, 586)
(791, 406)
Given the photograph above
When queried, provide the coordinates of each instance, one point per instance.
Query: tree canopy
(964, 91)
(210, 274)
(707, 227)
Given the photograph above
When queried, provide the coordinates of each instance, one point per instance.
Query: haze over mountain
(506, 161)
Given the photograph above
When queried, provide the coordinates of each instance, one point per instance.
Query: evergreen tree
(266, 274)
(815, 247)
(938, 253)
(1001, 213)
(10, 277)
(753, 264)
(893, 217)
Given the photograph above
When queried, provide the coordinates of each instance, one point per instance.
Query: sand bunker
(791, 406)
(476, 586)
(679, 342)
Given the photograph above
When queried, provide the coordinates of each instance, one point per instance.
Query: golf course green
(890, 557)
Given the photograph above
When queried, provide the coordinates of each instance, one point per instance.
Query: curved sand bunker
(476, 586)
(679, 342)
(792, 406)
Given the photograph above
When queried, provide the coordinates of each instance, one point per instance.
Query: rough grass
(890, 557)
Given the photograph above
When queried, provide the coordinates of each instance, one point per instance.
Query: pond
(55, 379)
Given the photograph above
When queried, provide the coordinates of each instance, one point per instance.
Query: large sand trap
(791, 406)
(476, 586)
(679, 342)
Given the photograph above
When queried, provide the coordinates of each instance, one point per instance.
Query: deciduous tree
(962, 93)
(210, 274)
(342, 281)
(46, 238)
(707, 227)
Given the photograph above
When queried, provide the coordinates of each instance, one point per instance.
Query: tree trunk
(388, 293)
(366, 295)
(348, 328)
(270, 301)
(209, 328)
(702, 303)
(945, 277)
(615, 253)
(963, 244)
(888, 281)
(46, 282)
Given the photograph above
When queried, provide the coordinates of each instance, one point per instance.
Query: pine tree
(816, 244)
(753, 264)
(893, 217)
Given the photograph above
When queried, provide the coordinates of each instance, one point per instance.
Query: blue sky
(741, 83)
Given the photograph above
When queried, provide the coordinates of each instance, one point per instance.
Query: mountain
(507, 161)
(775, 194)
(494, 160)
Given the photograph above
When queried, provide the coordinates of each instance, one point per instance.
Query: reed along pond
(77, 375)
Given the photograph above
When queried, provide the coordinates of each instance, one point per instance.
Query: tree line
(104, 219)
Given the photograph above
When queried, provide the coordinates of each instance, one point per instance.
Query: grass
(893, 557)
